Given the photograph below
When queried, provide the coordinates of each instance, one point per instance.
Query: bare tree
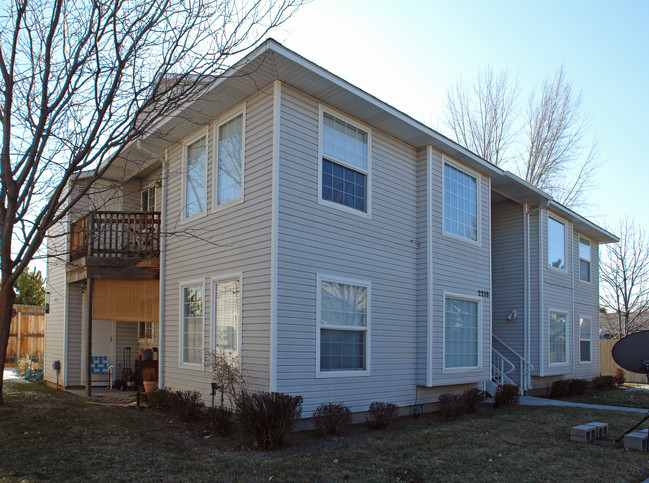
(624, 272)
(83, 79)
(549, 135)
(555, 130)
(481, 116)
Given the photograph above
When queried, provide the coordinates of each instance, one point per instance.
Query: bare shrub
(472, 398)
(620, 376)
(450, 405)
(267, 417)
(226, 376)
(506, 395)
(382, 414)
(331, 418)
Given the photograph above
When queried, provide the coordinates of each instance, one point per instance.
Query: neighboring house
(340, 249)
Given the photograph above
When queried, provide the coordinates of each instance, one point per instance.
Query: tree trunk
(7, 297)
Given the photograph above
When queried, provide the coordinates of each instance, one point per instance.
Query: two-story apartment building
(340, 249)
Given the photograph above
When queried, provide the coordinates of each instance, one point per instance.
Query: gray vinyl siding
(55, 320)
(317, 239)
(508, 275)
(423, 247)
(77, 316)
(233, 238)
(459, 267)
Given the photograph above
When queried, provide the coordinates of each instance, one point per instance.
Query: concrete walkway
(541, 401)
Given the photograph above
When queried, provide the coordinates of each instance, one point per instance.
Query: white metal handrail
(498, 364)
(526, 366)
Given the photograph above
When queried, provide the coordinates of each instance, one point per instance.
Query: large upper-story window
(556, 244)
(461, 333)
(195, 177)
(558, 338)
(345, 164)
(460, 203)
(343, 326)
(584, 259)
(191, 335)
(229, 180)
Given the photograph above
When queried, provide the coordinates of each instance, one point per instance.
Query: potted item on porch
(149, 379)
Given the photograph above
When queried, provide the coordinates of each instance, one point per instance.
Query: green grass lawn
(48, 435)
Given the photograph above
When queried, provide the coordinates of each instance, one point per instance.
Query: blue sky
(408, 53)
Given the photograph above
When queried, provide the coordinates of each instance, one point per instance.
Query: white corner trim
(429, 265)
(274, 237)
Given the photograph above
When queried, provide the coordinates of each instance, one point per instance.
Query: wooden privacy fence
(27, 332)
(607, 365)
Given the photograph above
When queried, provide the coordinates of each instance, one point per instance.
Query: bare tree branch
(82, 80)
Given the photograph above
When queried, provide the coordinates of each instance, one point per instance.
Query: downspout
(163, 258)
(527, 352)
(538, 210)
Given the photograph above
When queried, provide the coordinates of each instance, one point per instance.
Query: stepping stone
(601, 429)
(636, 441)
(583, 433)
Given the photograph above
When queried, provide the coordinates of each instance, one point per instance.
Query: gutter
(163, 259)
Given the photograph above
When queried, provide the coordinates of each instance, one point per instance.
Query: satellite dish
(632, 352)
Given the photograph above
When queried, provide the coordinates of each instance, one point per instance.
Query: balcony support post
(89, 341)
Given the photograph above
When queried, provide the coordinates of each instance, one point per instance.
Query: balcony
(115, 244)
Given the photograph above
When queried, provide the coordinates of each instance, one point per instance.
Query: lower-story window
(558, 338)
(192, 324)
(584, 340)
(461, 332)
(227, 311)
(343, 325)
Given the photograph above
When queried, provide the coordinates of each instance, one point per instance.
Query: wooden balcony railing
(116, 234)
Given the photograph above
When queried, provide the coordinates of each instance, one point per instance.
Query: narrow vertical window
(345, 164)
(460, 203)
(192, 324)
(556, 244)
(558, 338)
(230, 161)
(584, 260)
(461, 336)
(227, 315)
(195, 178)
(343, 326)
(584, 340)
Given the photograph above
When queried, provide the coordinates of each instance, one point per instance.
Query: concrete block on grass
(583, 433)
(601, 429)
(636, 441)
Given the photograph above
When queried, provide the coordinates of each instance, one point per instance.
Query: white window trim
(222, 120)
(565, 270)
(579, 259)
(368, 172)
(320, 277)
(226, 278)
(590, 361)
(478, 177)
(468, 369)
(204, 132)
(181, 335)
(567, 314)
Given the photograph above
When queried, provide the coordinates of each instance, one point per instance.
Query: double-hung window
(227, 314)
(345, 164)
(556, 244)
(461, 332)
(584, 340)
(584, 259)
(229, 179)
(148, 199)
(343, 326)
(191, 335)
(195, 177)
(558, 338)
(460, 203)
